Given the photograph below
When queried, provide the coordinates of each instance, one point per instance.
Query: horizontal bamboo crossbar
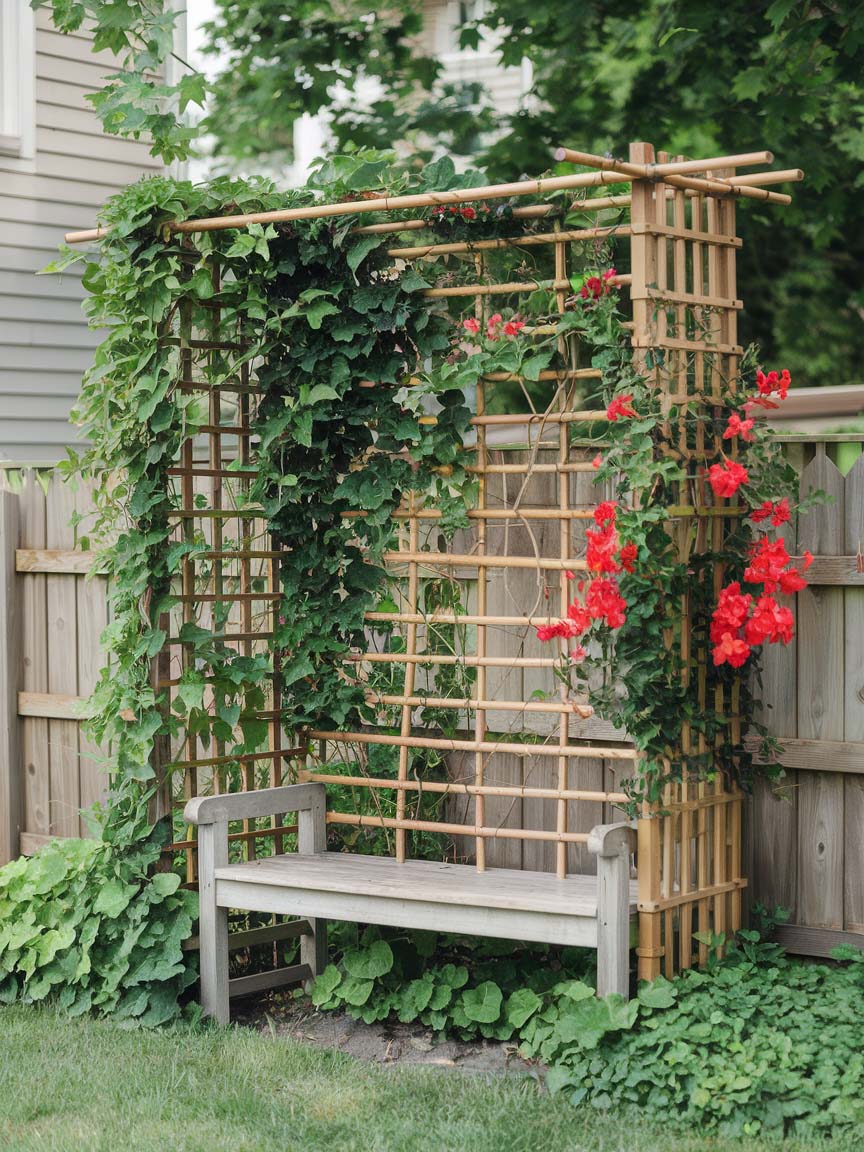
(528, 240)
(537, 187)
(443, 658)
(572, 751)
(442, 787)
(456, 618)
(462, 560)
(362, 821)
(566, 707)
(511, 287)
(666, 173)
(693, 897)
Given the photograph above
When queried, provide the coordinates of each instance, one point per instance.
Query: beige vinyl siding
(45, 344)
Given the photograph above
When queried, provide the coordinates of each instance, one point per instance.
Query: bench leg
(213, 923)
(312, 838)
(613, 917)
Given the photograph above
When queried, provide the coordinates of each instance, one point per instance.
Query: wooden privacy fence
(807, 839)
(522, 778)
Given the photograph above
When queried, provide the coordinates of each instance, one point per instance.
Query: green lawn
(85, 1086)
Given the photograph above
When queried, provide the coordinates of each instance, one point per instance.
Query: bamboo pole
(362, 821)
(441, 787)
(654, 171)
(528, 240)
(377, 204)
(509, 746)
(467, 703)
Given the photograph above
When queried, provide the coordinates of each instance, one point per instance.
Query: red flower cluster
(495, 327)
(620, 406)
(778, 512)
(739, 427)
(597, 286)
(727, 478)
(770, 566)
(605, 553)
(768, 385)
(740, 623)
(465, 211)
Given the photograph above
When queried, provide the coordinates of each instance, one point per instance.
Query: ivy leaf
(521, 1005)
(360, 250)
(325, 985)
(113, 898)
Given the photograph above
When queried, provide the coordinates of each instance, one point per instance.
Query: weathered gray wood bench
(587, 911)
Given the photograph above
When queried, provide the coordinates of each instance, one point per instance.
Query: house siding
(45, 344)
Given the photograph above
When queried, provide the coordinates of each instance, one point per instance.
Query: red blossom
(578, 654)
(769, 622)
(597, 286)
(578, 618)
(780, 513)
(791, 581)
(628, 556)
(774, 382)
(808, 559)
(730, 650)
(468, 213)
(620, 406)
(603, 601)
(605, 511)
(731, 611)
(602, 546)
(597, 461)
(513, 327)
(727, 478)
(765, 509)
(471, 325)
(492, 326)
(738, 427)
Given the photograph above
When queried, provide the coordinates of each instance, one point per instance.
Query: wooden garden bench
(587, 911)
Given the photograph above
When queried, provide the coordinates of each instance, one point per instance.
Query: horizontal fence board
(50, 705)
(56, 560)
(818, 755)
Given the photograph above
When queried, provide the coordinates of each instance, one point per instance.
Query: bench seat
(584, 911)
(419, 894)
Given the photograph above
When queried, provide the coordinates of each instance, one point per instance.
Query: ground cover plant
(756, 1044)
(67, 1085)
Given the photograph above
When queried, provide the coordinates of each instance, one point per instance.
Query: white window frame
(17, 86)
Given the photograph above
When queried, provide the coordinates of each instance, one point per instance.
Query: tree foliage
(693, 78)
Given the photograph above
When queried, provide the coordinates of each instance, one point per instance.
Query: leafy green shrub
(411, 978)
(757, 1043)
(85, 922)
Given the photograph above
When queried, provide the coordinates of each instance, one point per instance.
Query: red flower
(769, 622)
(513, 327)
(727, 478)
(730, 613)
(620, 406)
(492, 326)
(602, 546)
(628, 556)
(605, 511)
(780, 513)
(471, 325)
(791, 581)
(597, 461)
(468, 213)
(603, 601)
(597, 286)
(731, 650)
(578, 654)
(738, 427)
(761, 513)
(808, 559)
(774, 382)
(578, 619)
(549, 631)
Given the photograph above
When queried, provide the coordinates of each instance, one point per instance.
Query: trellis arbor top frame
(529, 805)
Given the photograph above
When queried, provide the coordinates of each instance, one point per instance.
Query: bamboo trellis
(682, 289)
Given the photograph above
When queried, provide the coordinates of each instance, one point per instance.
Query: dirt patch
(384, 1043)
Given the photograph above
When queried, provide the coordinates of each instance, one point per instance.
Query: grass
(89, 1086)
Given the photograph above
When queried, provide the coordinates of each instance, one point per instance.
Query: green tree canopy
(695, 78)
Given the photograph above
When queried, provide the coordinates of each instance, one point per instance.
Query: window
(17, 69)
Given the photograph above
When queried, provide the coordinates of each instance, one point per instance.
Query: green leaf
(521, 1005)
(325, 985)
(368, 963)
(483, 1003)
(113, 898)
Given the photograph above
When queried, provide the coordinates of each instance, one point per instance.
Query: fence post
(10, 665)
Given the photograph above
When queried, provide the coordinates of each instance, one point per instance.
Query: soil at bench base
(386, 1043)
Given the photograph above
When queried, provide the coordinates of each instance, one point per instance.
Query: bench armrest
(249, 805)
(612, 839)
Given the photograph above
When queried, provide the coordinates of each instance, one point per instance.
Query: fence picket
(854, 706)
